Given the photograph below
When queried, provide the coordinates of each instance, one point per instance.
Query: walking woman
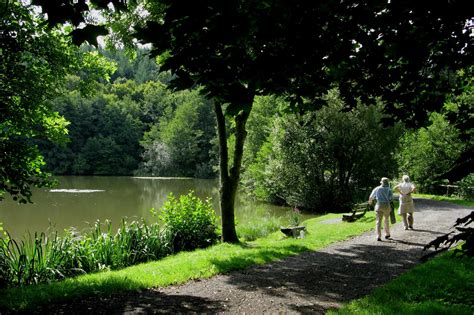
(407, 207)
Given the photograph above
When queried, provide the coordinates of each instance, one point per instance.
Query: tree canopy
(405, 51)
(33, 61)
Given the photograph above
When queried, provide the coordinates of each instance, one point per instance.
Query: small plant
(189, 222)
(295, 217)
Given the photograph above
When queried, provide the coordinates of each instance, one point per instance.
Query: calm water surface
(78, 201)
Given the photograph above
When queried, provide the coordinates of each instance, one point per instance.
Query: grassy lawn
(444, 285)
(182, 267)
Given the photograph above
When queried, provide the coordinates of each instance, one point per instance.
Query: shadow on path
(145, 302)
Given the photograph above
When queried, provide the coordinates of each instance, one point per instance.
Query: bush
(188, 222)
(466, 187)
(319, 161)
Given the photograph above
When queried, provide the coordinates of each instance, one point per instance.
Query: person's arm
(371, 197)
(397, 189)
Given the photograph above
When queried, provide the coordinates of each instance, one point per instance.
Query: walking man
(383, 195)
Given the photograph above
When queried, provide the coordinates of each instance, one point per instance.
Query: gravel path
(311, 282)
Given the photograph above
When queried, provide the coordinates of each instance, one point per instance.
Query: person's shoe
(406, 228)
(379, 239)
(411, 227)
(387, 236)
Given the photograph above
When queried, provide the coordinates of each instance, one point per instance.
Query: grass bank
(443, 285)
(182, 267)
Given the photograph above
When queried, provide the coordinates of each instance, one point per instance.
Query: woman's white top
(406, 200)
(406, 188)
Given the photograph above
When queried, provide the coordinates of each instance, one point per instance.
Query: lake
(78, 201)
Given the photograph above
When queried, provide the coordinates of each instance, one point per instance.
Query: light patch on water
(172, 178)
(76, 190)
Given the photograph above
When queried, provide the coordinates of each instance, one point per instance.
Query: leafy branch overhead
(464, 235)
(75, 12)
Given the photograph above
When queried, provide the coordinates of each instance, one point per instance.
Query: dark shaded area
(146, 302)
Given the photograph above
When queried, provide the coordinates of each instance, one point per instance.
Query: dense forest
(131, 123)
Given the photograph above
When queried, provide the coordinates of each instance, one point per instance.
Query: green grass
(444, 285)
(182, 267)
(462, 202)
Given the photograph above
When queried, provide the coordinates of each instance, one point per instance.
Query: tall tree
(402, 50)
(33, 60)
(325, 159)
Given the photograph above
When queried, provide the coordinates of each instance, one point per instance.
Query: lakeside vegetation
(179, 268)
(184, 223)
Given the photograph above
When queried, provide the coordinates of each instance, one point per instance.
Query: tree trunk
(229, 179)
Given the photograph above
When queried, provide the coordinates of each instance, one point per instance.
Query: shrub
(466, 187)
(38, 258)
(319, 161)
(188, 222)
(295, 217)
(137, 242)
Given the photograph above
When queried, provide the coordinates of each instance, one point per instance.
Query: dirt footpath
(312, 282)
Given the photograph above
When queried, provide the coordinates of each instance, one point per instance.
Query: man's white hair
(406, 178)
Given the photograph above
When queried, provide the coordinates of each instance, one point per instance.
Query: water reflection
(79, 200)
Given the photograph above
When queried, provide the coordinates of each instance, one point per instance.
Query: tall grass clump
(138, 242)
(38, 258)
(188, 222)
(259, 224)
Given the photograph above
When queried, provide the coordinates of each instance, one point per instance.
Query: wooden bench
(358, 212)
